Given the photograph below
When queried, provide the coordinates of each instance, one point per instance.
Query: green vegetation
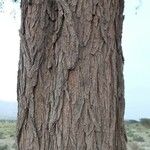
(4, 147)
(7, 134)
(138, 133)
(145, 122)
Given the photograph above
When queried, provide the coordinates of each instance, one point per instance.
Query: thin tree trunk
(70, 76)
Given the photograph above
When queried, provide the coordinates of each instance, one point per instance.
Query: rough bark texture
(70, 77)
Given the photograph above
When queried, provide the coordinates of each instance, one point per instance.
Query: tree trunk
(70, 76)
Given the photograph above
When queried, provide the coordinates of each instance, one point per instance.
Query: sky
(136, 49)
(9, 51)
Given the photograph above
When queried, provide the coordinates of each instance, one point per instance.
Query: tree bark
(70, 77)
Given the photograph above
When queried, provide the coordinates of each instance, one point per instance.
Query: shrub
(12, 135)
(138, 138)
(145, 122)
(130, 134)
(2, 135)
(4, 147)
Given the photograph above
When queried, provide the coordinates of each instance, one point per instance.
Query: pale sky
(9, 51)
(136, 48)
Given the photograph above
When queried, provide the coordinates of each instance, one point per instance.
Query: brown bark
(70, 76)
